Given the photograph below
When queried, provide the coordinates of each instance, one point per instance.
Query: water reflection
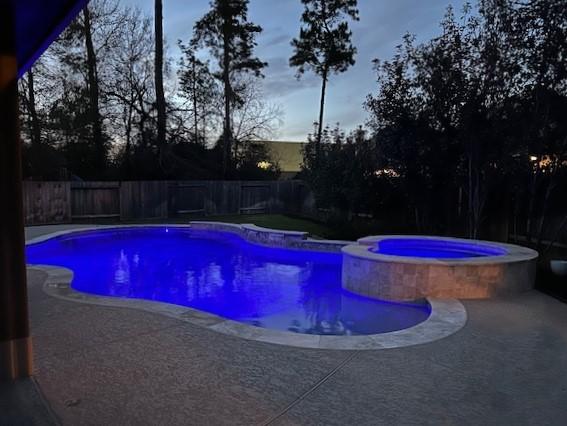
(122, 271)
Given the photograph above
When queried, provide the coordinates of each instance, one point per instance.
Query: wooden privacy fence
(64, 202)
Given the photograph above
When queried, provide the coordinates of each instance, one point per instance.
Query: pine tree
(230, 37)
(324, 44)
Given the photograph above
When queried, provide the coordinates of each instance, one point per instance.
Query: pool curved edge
(447, 315)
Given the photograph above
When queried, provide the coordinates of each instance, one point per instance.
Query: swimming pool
(221, 273)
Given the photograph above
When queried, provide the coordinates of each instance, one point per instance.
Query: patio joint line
(50, 411)
(310, 391)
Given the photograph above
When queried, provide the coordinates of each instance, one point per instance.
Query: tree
(343, 176)
(35, 125)
(253, 118)
(324, 44)
(79, 63)
(230, 37)
(254, 162)
(160, 96)
(93, 90)
(73, 112)
(405, 141)
(130, 94)
(41, 160)
(539, 29)
(472, 122)
(199, 88)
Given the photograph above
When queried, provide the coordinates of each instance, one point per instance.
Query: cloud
(277, 40)
(281, 81)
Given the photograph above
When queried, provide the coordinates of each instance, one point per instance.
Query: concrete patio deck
(107, 366)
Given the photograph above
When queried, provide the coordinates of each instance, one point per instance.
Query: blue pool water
(220, 273)
(440, 249)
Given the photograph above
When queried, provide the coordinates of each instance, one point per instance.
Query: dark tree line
(104, 104)
(467, 132)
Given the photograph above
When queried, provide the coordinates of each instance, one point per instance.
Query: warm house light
(545, 162)
(264, 165)
(387, 172)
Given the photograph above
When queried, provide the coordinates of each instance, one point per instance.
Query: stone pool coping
(273, 237)
(447, 315)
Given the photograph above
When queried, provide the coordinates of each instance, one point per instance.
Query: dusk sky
(381, 27)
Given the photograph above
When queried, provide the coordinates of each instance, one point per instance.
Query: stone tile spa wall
(388, 277)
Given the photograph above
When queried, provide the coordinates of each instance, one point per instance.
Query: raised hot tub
(412, 267)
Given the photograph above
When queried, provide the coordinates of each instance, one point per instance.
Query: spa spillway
(411, 267)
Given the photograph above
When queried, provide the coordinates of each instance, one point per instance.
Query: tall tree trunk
(195, 111)
(204, 125)
(129, 137)
(321, 112)
(476, 197)
(478, 202)
(531, 202)
(92, 75)
(544, 207)
(470, 194)
(227, 130)
(129, 130)
(537, 110)
(160, 96)
(34, 120)
(142, 121)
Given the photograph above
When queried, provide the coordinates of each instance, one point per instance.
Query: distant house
(288, 155)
